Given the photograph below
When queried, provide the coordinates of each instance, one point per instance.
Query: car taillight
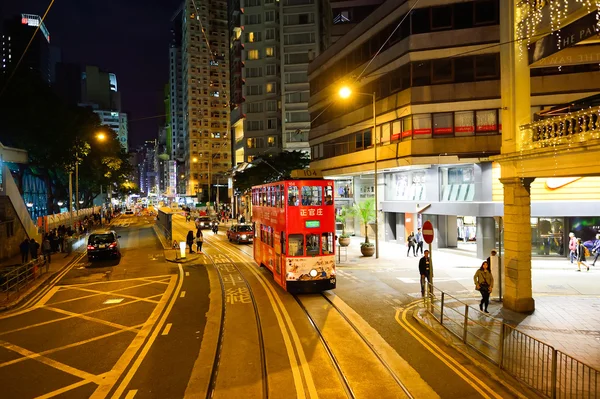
(91, 247)
(114, 244)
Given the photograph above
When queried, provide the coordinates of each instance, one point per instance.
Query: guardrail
(547, 370)
(13, 280)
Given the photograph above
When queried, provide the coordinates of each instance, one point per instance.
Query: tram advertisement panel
(313, 268)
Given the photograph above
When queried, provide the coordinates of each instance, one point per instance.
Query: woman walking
(189, 240)
(581, 256)
(412, 243)
(199, 239)
(484, 282)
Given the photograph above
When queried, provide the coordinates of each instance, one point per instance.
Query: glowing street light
(345, 92)
(101, 136)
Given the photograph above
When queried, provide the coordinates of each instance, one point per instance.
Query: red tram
(294, 229)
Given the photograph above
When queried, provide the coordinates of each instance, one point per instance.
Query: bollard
(466, 323)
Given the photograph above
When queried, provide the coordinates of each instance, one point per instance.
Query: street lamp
(345, 92)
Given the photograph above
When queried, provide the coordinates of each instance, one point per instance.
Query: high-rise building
(16, 34)
(205, 82)
(272, 43)
(176, 116)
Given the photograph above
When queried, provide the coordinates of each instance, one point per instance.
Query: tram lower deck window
(296, 245)
(327, 243)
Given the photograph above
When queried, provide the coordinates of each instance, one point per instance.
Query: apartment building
(438, 109)
(205, 82)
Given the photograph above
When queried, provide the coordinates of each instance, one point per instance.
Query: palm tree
(365, 210)
(345, 213)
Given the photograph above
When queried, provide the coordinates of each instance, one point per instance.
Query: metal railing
(547, 370)
(15, 279)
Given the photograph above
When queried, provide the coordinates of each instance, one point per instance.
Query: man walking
(424, 270)
(47, 249)
(24, 248)
(33, 249)
(419, 238)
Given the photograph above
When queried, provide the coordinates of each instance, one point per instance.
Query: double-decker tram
(294, 229)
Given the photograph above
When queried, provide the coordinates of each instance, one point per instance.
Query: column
(486, 237)
(517, 245)
(451, 232)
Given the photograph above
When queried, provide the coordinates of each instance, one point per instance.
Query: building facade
(439, 123)
(205, 82)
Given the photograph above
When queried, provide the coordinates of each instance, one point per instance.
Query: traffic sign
(428, 232)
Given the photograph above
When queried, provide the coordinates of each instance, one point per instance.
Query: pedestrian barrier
(547, 370)
(13, 280)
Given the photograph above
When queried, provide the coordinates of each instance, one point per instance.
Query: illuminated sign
(306, 173)
(312, 224)
(35, 20)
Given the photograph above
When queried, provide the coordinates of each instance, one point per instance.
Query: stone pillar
(486, 236)
(517, 245)
(451, 232)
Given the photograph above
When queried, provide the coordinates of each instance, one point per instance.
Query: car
(205, 222)
(129, 211)
(240, 233)
(103, 244)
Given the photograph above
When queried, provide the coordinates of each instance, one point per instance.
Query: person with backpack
(572, 246)
(484, 282)
(582, 251)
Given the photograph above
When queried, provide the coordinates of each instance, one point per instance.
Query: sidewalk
(58, 262)
(567, 303)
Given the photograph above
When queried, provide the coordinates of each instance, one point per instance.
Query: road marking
(438, 352)
(160, 279)
(187, 274)
(52, 363)
(110, 292)
(63, 390)
(182, 294)
(148, 345)
(113, 301)
(82, 316)
(167, 329)
(131, 394)
(102, 292)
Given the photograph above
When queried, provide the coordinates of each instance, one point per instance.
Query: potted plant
(366, 212)
(342, 217)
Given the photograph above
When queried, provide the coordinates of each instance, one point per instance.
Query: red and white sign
(428, 232)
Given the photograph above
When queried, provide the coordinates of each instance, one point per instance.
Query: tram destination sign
(306, 174)
(312, 224)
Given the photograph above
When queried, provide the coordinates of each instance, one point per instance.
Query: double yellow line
(445, 358)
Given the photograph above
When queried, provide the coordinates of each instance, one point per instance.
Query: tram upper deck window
(293, 196)
(327, 243)
(312, 195)
(328, 195)
(281, 196)
(312, 245)
(296, 245)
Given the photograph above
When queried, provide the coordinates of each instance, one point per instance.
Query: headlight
(313, 273)
(244, 236)
(201, 223)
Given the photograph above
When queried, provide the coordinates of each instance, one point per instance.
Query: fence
(14, 279)
(552, 373)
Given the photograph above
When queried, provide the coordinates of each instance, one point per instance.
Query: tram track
(230, 263)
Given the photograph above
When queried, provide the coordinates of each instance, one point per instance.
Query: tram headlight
(313, 273)
(244, 236)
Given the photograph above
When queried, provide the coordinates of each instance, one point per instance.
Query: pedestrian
(581, 253)
(419, 238)
(572, 246)
(489, 259)
(47, 249)
(190, 240)
(24, 247)
(484, 282)
(596, 249)
(425, 270)
(242, 219)
(411, 241)
(215, 227)
(199, 240)
(33, 248)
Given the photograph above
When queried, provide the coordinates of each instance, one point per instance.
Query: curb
(35, 289)
(481, 364)
(187, 259)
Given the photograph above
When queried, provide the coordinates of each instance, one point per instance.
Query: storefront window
(406, 186)
(343, 188)
(547, 236)
(458, 184)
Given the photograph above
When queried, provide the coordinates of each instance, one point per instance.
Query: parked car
(240, 233)
(129, 211)
(103, 244)
(205, 222)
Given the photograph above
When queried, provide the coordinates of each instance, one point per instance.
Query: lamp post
(346, 92)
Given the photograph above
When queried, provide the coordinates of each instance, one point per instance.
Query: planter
(344, 241)
(367, 250)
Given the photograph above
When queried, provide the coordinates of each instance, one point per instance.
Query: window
(442, 124)
(420, 20)
(299, 19)
(270, 52)
(272, 123)
(252, 37)
(296, 77)
(464, 70)
(253, 19)
(486, 121)
(486, 66)
(441, 17)
(301, 116)
(254, 72)
(270, 34)
(328, 195)
(312, 196)
(296, 58)
(271, 70)
(296, 245)
(297, 97)
(254, 90)
(463, 123)
(421, 73)
(254, 125)
(271, 87)
(270, 16)
(271, 105)
(327, 243)
(442, 71)
(485, 12)
(421, 126)
(299, 38)
(293, 196)
(251, 3)
(254, 107)
(312, 245)
(252, 55)
(271, 141)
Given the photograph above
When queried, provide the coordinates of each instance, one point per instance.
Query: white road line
(167, 329)
(131, 394)
(187, 274)
(182, 294)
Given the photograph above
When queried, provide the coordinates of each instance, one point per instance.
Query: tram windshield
(312, 195)
(312, 244)
(327, 243)
(296, 245)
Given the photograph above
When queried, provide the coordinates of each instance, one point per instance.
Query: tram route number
(299, 173)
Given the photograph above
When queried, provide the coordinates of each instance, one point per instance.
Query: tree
(365, 210)
(270, 168)
(345, 213)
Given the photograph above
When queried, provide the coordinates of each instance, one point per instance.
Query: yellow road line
(110, 292)
(274, 298)
(50, 362)
(167, 329)
(163, 276)
(63, 390)
(131, 394)
(148, 345)
(73, 345)
(74, 288)
(119, 368)
(85, 317)
(448, 360)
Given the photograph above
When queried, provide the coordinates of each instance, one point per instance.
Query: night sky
(127, 37)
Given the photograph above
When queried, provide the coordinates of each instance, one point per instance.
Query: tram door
(278, 270)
